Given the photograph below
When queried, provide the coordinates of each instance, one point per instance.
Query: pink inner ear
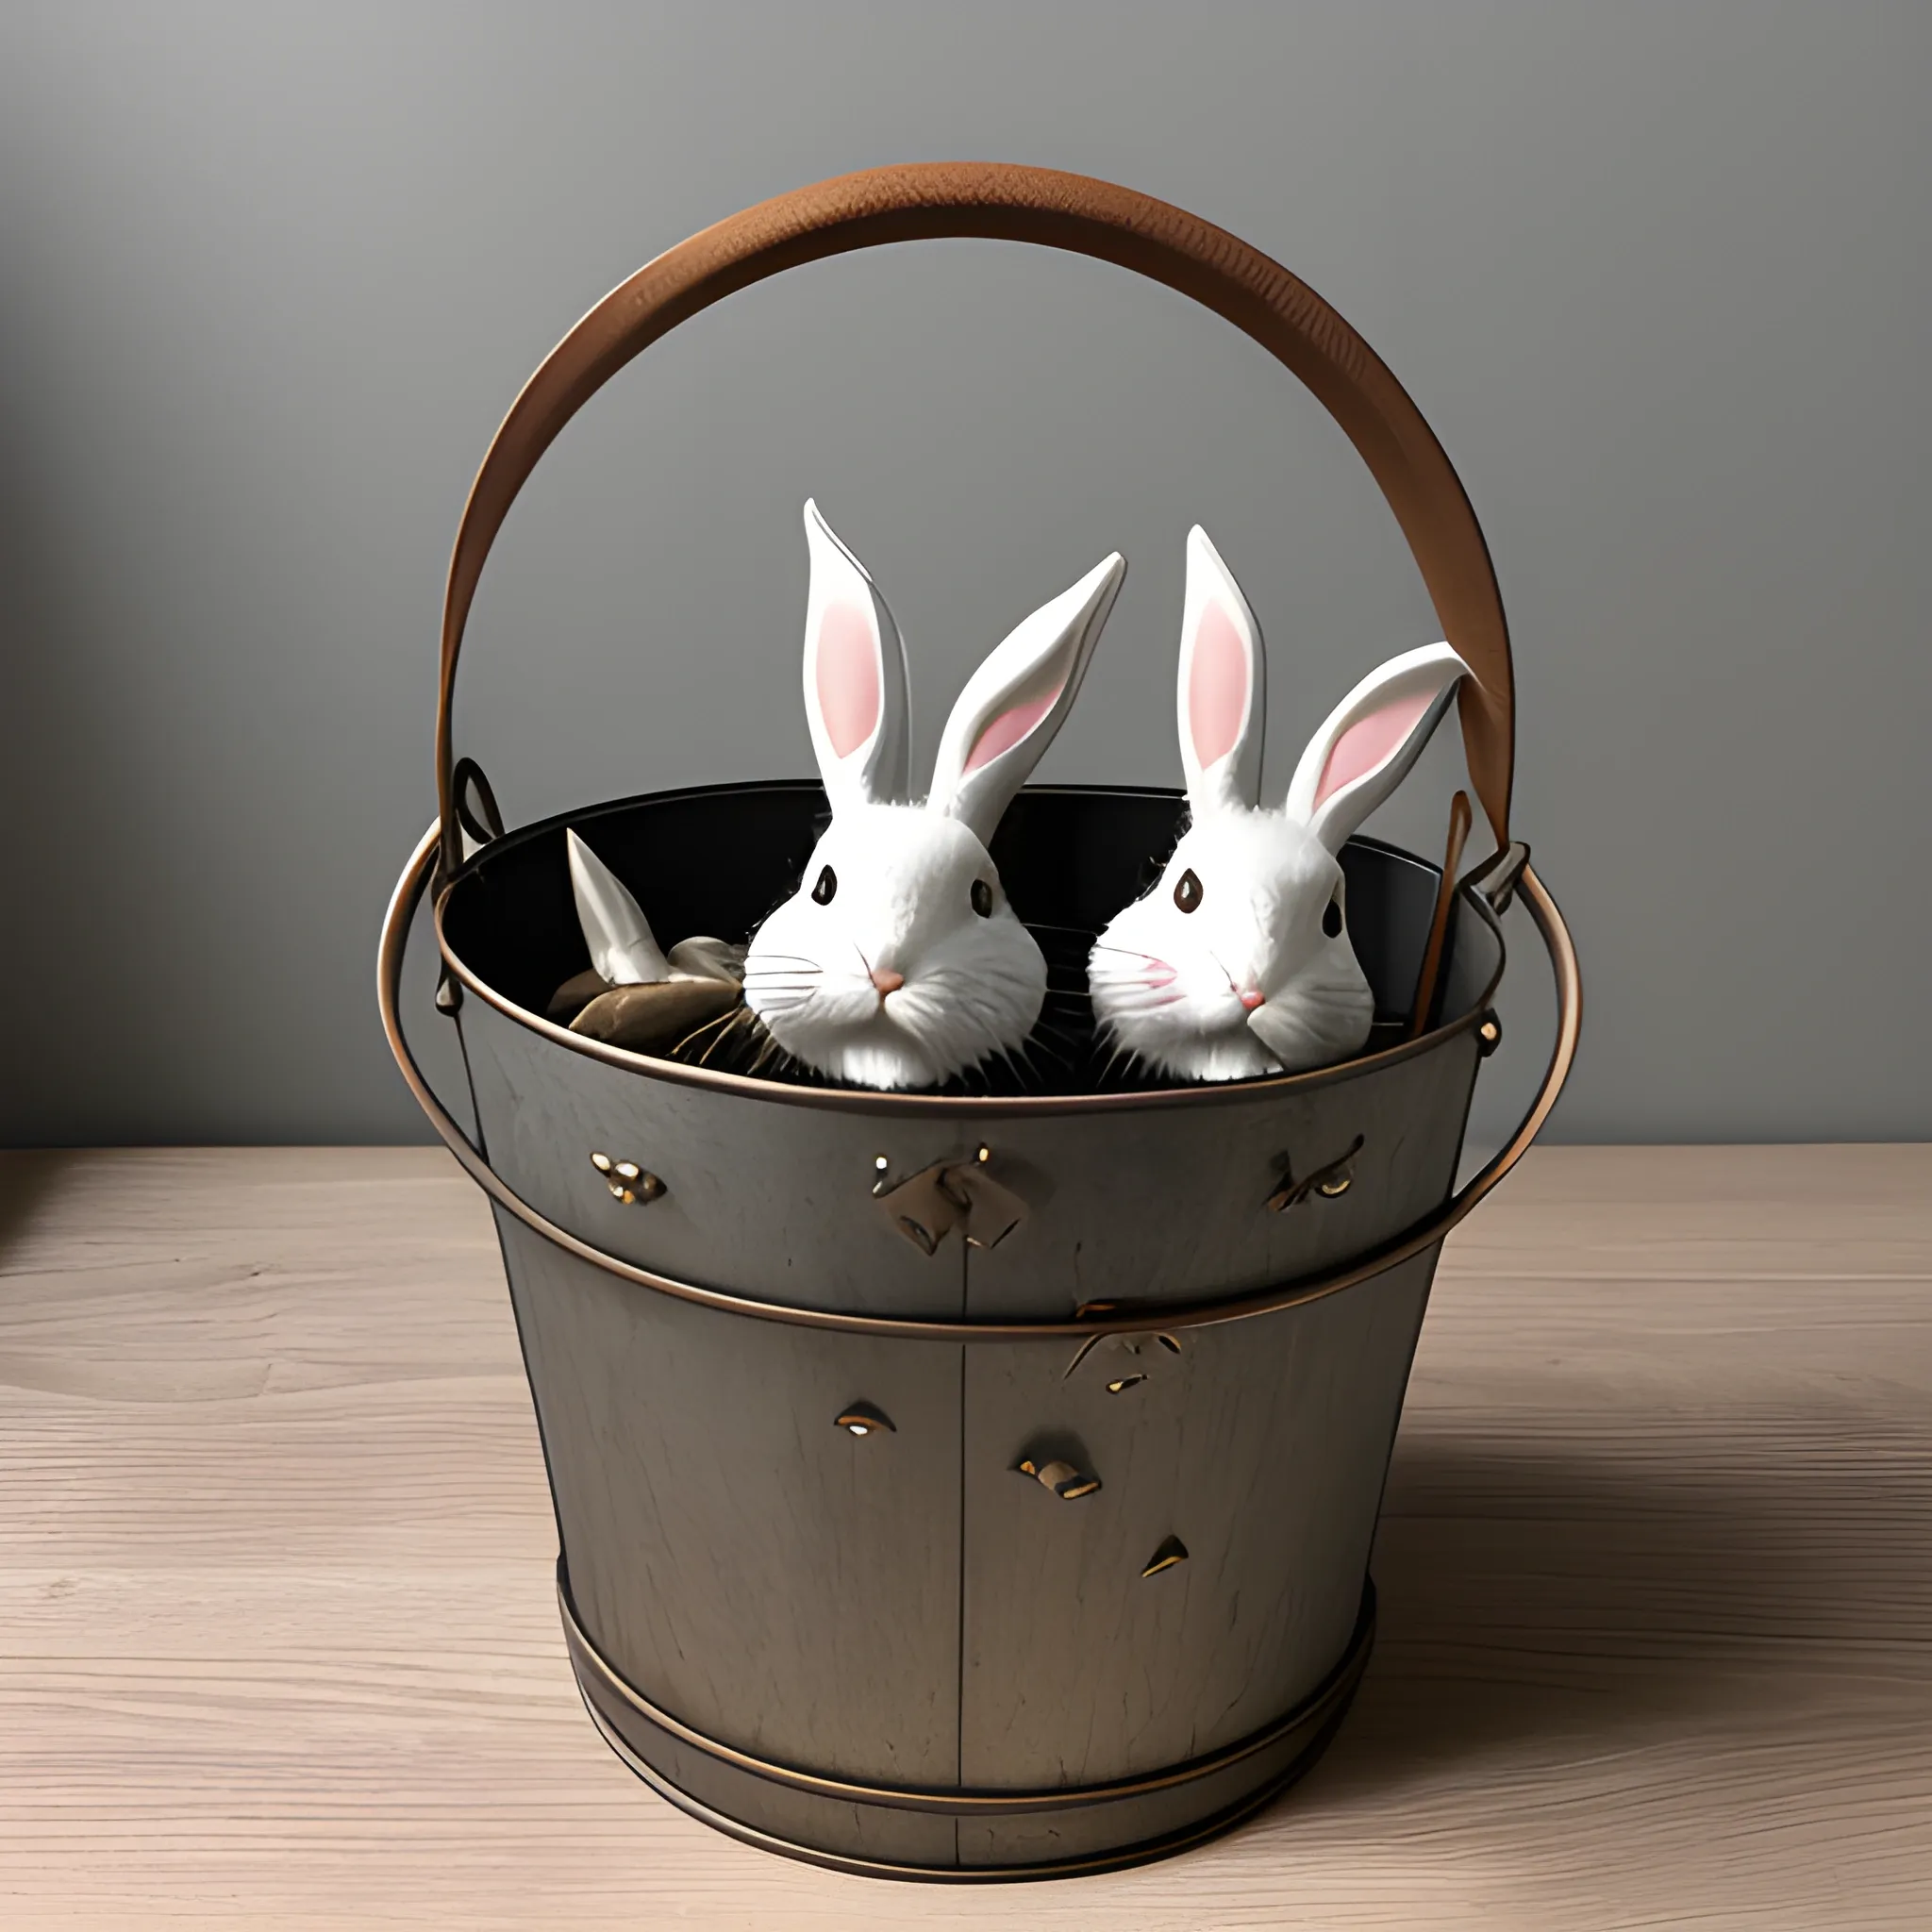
(1369, 742)
(1217, 686)
(1009, 728)
(848, 677)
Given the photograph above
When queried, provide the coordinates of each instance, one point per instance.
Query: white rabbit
(1237, 961)
(898, 962)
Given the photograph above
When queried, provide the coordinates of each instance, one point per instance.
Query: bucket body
(812, 1593)
(976, 1484)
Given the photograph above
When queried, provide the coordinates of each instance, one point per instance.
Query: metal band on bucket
(1124, 1319)
(1334, 1690)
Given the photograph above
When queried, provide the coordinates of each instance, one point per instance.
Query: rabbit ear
(1370, 740)
(615, 928)
(1221, 698)
(1017, 700)
(855, 697)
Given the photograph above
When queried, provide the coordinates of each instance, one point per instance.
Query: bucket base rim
(1306, 1732)
(1145, 1852)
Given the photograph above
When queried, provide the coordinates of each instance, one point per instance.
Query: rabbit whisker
(1018, 1067)
(1124, 985)
(757, 1041)
(738, 1022)
(724, 1020)
(773, 1054)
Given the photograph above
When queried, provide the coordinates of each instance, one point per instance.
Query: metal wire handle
(1050, 210)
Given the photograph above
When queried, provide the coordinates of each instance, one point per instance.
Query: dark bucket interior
(716, 859)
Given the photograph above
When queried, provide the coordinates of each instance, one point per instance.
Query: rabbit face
(901, 963)
(1232, 965)
(1238, 962)
(898, 961)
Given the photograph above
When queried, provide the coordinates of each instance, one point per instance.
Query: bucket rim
(937, 1105)
(391, 955)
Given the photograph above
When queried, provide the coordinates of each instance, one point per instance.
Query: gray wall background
(1658, 274)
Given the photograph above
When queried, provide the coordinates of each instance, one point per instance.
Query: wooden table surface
(279, 1644)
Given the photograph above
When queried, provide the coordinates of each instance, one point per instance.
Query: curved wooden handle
(934, 200)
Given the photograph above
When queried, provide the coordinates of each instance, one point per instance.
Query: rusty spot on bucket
(1068, 1483)
(1171, 1551)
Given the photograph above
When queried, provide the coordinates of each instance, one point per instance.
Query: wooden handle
(933, 200)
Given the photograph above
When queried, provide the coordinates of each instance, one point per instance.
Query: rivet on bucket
(863, 1418)
(628, 1181)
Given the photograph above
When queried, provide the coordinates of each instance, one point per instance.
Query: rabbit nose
(888, 981)
(1250, 998)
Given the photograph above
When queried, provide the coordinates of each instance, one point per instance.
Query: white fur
(974, 984)
(1168, 985)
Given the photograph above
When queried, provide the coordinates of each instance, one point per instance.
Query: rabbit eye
(1186, 895)
(1331, 918)
(827, 884)
(982, 898)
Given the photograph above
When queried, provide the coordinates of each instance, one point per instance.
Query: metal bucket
(967, 1486)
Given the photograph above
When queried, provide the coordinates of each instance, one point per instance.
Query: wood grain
(277, 1643)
